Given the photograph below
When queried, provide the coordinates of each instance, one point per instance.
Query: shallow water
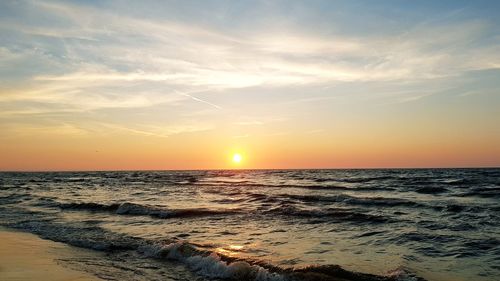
(434, 224)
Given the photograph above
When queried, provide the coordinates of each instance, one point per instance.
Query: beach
(25, 256)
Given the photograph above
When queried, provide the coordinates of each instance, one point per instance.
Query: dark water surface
(433, 224)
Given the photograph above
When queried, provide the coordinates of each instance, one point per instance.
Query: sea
(352, 224)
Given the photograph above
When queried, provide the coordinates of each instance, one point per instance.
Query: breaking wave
(215, 265)
(127, 208)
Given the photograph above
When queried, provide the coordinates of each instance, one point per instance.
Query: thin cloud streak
(200, 100)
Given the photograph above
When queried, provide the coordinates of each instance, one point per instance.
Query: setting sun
(237, 158)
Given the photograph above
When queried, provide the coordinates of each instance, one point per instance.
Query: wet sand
(24, 256)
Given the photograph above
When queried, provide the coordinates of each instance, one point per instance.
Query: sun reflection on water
(230, 250)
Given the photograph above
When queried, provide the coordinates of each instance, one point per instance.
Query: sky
(133, 85)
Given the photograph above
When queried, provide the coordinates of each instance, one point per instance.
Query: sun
(237, 158)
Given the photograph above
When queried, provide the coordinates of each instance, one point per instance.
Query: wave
(15, 198)
(365, 201)
(216, 265)
(365, 179)
(210, 264)
(253, 184)
(86, 206)
(329, 213)
(136, 209)
(461, 182)
(90, 237)
(285, 206)
(127, 208)
(287, 185)
(223, 182)
(431, 190)
(485, 192)
(338, 198)
(335, 214)
(284, 209)
(339, 187)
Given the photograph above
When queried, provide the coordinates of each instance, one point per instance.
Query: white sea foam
(210, 265)
(400, 274)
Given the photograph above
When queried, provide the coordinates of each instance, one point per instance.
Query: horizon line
(249, 169)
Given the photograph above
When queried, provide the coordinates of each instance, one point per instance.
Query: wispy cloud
(16, 130)
(258, 120)
(188, 54)
(79, 58)
(241, 136)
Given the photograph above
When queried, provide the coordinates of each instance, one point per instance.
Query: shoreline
(25, 256)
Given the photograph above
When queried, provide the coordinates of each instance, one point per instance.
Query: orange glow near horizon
(175, 91)
(125, 152)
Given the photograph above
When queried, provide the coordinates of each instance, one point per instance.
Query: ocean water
(391, 224)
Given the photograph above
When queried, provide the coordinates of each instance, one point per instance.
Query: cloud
(249, 123)
(40, 130)
(130, 49)
(258, 120)
(163, 131)
(79, 96)
(79, 58)
(241, 136)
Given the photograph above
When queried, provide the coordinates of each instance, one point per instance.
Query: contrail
(199, 100)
